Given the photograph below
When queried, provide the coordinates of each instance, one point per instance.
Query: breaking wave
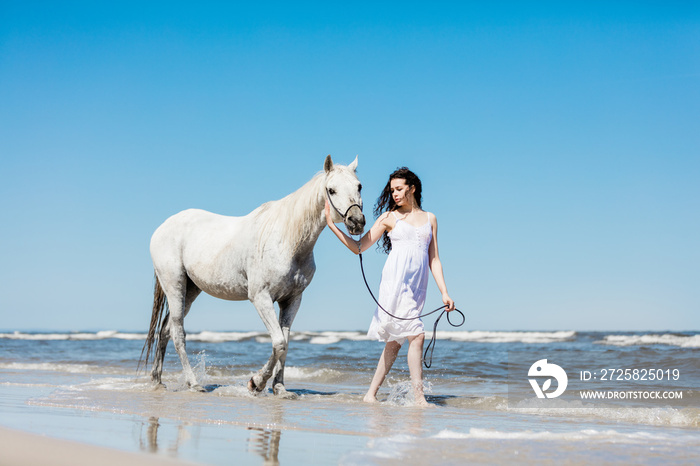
(506, 337)
(82, 336)
(316, 338)
(687, 340)
(683, 341)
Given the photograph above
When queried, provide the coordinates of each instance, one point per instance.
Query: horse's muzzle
(355, 221)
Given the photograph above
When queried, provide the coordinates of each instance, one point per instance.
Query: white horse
(265, 257)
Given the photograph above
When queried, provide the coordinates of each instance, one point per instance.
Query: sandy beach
(25, 449)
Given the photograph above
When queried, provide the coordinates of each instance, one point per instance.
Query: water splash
(402, 394)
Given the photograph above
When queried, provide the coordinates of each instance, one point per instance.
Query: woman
(409, 235)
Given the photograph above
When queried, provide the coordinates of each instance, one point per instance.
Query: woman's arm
(436, 267)
(366, 241)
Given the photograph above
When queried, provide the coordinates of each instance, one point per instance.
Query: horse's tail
(160, 304)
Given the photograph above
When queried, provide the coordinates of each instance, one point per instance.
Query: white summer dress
(404, 283)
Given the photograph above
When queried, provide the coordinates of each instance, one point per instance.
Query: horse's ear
(353, 165)
(328, 164)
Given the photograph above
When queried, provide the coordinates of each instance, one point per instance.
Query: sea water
(482, 388)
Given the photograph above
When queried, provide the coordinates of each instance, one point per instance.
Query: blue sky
(558, 143)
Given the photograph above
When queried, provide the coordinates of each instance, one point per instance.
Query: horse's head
(343, 191)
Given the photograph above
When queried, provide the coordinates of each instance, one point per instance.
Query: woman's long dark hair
(385, 202)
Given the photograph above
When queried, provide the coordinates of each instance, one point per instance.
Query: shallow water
(83, 386)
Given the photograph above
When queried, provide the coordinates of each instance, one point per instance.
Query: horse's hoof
(158, 386)
(282, 392)
(253, 388)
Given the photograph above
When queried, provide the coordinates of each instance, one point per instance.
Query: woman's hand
(329, 220)
(449, 304)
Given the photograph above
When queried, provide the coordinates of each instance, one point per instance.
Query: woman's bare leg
(391, 350)
(415, 367)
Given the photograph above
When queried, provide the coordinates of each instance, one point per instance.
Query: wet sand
(82, 402)
(25, 449)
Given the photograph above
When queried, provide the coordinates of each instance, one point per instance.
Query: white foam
(116, 384)
(220, 337)
(71, 368)
(101, 335)
(236, 391)
(306, 373)
(664, 416)
(324, 340)
(479, 336)
(683, 341)
(295, 373)
(328, 337)
(122, 335)
(579, 435)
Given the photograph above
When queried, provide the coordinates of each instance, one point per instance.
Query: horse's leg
(288, 311)
(179, 303)
(164, 337)
(266, 309)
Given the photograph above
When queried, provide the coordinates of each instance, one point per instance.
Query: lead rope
(431, 345)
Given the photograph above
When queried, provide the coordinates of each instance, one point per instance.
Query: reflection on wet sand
(148, 441)
(266, 443)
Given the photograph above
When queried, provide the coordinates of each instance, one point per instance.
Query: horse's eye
(332, 191)
(359, 187)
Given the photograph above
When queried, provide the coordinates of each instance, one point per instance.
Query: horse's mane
(294, 218)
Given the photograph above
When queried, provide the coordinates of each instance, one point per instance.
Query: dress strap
(393, 212)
